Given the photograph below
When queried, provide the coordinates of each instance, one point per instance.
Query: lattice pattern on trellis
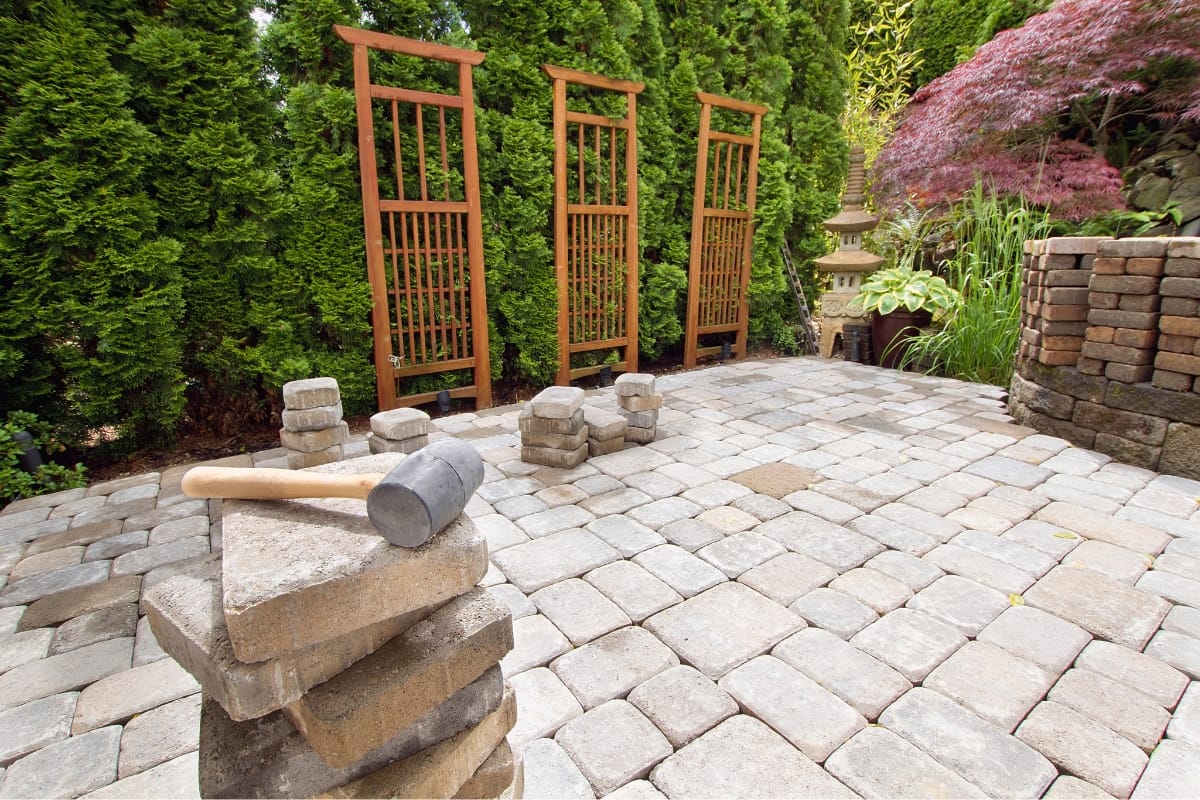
(722, 229)
(595, 225)
(421, 215)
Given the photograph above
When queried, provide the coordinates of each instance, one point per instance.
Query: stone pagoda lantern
(849, 263)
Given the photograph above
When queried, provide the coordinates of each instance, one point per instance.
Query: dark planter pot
(889, 333)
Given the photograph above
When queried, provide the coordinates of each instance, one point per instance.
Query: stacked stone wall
(1110, 348)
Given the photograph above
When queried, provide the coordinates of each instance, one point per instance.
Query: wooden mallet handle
(274, 484)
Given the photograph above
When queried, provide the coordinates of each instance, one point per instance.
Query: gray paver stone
(813, 719)
(46, 562)
(613, 744)
(679, 569)
(148, 490)
(1185, 722)
(36, 587)
(1009, 471)
(554, 457)
(1068, 787)
(636, 591)
(1024, 558)
(823, 506)
(913, 572)
(579, 610)
(311, 419)
(544, 705)
(557, 402)
(690, 534)
(74, 602)
(785, 578)
(630, 462)
(1036, 636)
(920, 520)
(1150, 676)
(893, 534)
(660, 513)
(1181, 652)
(683, 703)
(1178, 564)
(603, 424)
(960, 602)
(34, 725)
(875, 590)
(909, 641)
(179, 529)
(310, 393)
(554, 520)
(92, 760)
(739, 552)
(742, 757)
(536, 642)
(716, 493)
(64, 672)
(1053, 540)
(175, 778)
(515, 599)
(541, 562)
(634, 384)
(1175, 588)
(878, 763)
(1173, 772)
(995, 684)
(400, 423)
(612, 665)
(615, 502)
(1083, 747)
(999, 764)
(1107, 608)
(1118, 707)
(626, 535)
(499, 531)
(637, 790)
(980, 568)
(118, 697)
(762, 506)
(1094, 525)
(141, 561)
(550, 774)
(114, 546)
(834, 545)
(21, 648)
(160, 735)
(1117, 563)
(96, 626)
(868, 685)
(833, 611)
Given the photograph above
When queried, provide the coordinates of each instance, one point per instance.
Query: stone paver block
(1094, 525)
(1161, 682)
(160, 735)
(913, 572)
(630, 462)
(995, 684)
(835, 612)
(567, 554)
(690, 534)
(315, 441)
(1117, 563)
(95, 626)
(613, 744)
(634, 384)
(377, 445)
(823, 506)
(1175, 588)
(878, 763)
(553, 520)
(636, 591)
(544, 705)
(893, 534)
(579, 610)
(118, 697)
(1118, 707)
(717, 493)
(612, 665)
(762, 506)
(813, 719)
(679, 569)
(636, 404)
(550, 773)
(554, 457)
(645, 419)
(920, 520)
(82, 535)
(81, 600)
(723, 627)
(787, 577)
(866, 684)
(742, 757)
(1036, 636)
(34, 725)
(1009, 471)
(999, 764)
(161, 514)
(1173, 771)
(960, 602)
(683, 703)
(312, 419)
(22, 648)
(46, 562)
(980, 568)
(400, 423)
(637, 790)
(179, 529)
(728, 520)
(603, 424)
(740, 552)
(557, 402)
(615, 502)
(354, 712)
(875, 590)
(267, 757)
(36, 587)
(804, 533)
(66, 768)
(310, 393)
(305, 571)
(501, 774)
(1105, 607)
(909, 641)
(64, 672)
(626, 535)
(113, 546)
(1068, 787)
(175, 778)
(1185, 722)
(1181, 652)
(660, 513)
(536, 643)
(518, 604)
(1026, 559)
(146, 559)
(1083, 747)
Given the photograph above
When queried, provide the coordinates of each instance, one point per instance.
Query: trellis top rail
(731, 104)
(409, 47)
(589, 79)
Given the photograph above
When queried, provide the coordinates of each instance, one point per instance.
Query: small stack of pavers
(639, 405)
(606, 431)
(401, 430)
(334, 664)
(553, 431)
(313, 430)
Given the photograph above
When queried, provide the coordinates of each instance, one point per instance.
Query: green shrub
(15, 482)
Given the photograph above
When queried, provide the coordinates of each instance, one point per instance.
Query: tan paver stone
(612, 665)
(1173, 771)
(1084, 748)
(723, 627)
(1117, 563)
(567, 554)
(742, 757)
(1094, 525)
(267, 757)
(579, 610)
(1107, 608)
(550, 773)
(877, 591)
(64, 672)
(833, 611)
(299, 572)
(46, 562)
(1118, 707)
(95, 626)
(498, 771)
(118, 697)
(1036, 636)
(1068, 787)
(66, 768)
(1162, 683)
(354, 712)
(787, 577)
(690, 534)
(612, 745)
(866, 684)
(544, 705)
(683, 703)
(878, 763)
(995, 684)
(74, 602)
(175, 779)
(776, 480)
(909, 641)
(21, 648)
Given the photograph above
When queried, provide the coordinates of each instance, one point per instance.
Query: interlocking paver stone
(1036, 636)
(893, 534)
(36, 587)
(723, 627)
(823, 506)
(613, 744)
(1149, 675)
(878, 763)
(1114, 705)
(913, 572)
(96, 626)
(141, 561)
(46, 562)
(179, 529)
(629, 462)
(740, 552)
(911, 642)
(716, 493)
(1026, 559)
(536, 642)
(579, 610)
(34, 725)
(544, 705)
(1083, 747)
(1010, 471)
(920, 520)
(550, 773)
(999, 764)
(618, 501)
(663, 512)
(877, 591)
(160, 735)
(1173, 771)
(119, 545)
(787, 577)
(1185, 722)
(1117, 563)
(636, 591)
(833, 611)
(514, 598)
(92, 760)
(612, 665)
(963, 603)
(1107, 608)
(637, 790)
(836, 546)
(1094, 525)
(1068, 787)
(690, 534)
(868, 685)
(683, 703)
(541, 562)
(1175, 588)
(626, 535)
(21, 648)
(980, 568)
(813, 719)
(118, 697)
(679, 569)
(554, 520)
(1181, 652)
(742, 757)
(995, 684)
(64, 672)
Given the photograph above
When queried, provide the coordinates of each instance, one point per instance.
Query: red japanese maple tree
(1032, 113)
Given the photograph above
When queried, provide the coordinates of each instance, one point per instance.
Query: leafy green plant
(16, 482)
(1129, 222)
(893, 288)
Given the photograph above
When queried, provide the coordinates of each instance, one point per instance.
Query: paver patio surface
(820, 580)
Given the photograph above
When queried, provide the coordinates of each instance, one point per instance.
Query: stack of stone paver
(1177, 365)
(606, 431)
(639, 405)
(401, 430)
(313, 430)
(1054, 302)
(335, 664)
(553, 431)
(1123, 322)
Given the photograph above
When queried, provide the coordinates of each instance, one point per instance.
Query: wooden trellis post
(722, 230)
(425, 243)
(595, 226)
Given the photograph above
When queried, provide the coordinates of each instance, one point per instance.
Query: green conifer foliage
(91, 300)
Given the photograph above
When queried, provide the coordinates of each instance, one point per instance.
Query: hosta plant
(902, 287)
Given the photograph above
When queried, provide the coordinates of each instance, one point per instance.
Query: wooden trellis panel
(424, 243)
(722, 230)
(595, 225)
